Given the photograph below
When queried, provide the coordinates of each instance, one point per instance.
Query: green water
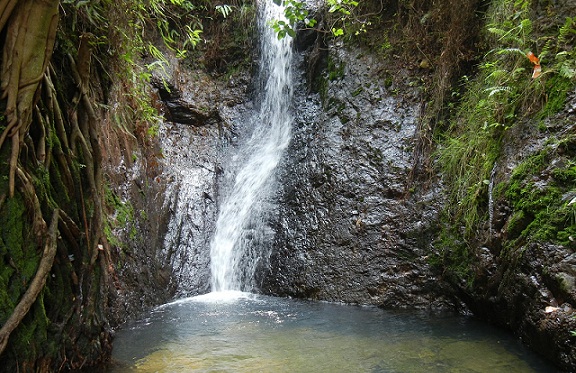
(247, 333)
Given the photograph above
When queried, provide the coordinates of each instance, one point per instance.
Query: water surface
(242, 332)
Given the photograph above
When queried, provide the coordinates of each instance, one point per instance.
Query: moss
(388, 81)
(453, 258)
(18, 252)
(357, 91)
(540, 194)
(335, 69)
(123, 218)
(58, 190)
(20, 259)
(30, 337)
(517, 223)
(557, 88)
(495, 100)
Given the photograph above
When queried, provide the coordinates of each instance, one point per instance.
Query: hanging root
(32, 205)
(30, 34)
(84, 132)
(35, 286)
(6, 8)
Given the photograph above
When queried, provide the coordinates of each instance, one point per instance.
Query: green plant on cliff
(509, 92)
(506, 90)
(467, 156)
(343, 18)
(560, 52)
(294, 11)
(121, 218)
(502, 94)
(177, 24)
(542, 195)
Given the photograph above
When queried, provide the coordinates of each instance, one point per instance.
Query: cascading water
(237, 244)
(491, 201)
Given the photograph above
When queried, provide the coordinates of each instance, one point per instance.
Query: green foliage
(294, 12)
(122, 218)
(466, 158)
(343, 15)
(543, 196)
(224, 10)
(454, 258)
(125, 31)
(503, 93)
(229, 45)
(511, 94)
(346, 21)
(509, 89)
(174, 19)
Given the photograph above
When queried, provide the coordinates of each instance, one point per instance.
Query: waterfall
(237, 245)
(491, 201)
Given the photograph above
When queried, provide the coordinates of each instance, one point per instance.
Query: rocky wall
(354, 225)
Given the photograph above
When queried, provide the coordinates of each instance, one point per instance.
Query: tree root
(33, 205)
(31, 99)
(87, 136)
(35, 286)
(30, 35)
(6, 8)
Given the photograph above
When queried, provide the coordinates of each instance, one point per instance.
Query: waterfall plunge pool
(241, 332)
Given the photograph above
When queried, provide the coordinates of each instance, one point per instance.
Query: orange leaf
(532, 57)
(537, 71)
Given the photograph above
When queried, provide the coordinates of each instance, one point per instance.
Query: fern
(566, 30)
(225, 10)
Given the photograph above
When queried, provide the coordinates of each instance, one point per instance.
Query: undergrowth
(543, 195)
(506, 90)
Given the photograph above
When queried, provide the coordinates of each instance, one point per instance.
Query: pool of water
(239, 332)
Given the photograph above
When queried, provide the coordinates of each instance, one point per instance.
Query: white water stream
(233, 254)
(491, 201)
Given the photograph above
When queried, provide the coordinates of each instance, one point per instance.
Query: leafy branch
(343, 12)
(294, 12)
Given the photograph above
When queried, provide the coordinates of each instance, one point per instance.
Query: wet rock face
(178, 110)
(202, 111)
(351, 227)
(522, 283)
(171, 184)
(526, 292)
(191, 172)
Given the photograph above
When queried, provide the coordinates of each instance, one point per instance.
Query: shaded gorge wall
(353, 225)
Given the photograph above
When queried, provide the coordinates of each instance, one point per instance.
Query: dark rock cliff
(361, 222)
(171, 185)
(353, 226)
